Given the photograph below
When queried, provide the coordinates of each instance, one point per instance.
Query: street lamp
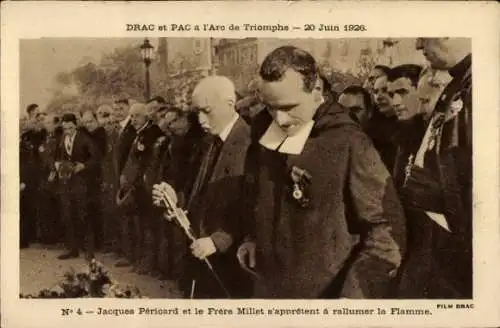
(147, 55)
(388, 45)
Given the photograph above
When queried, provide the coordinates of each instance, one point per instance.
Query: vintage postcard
(282, 164)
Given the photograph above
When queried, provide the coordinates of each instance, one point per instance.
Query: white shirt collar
(225, 132)
(71, 138)
(275, 138)
(143, 127)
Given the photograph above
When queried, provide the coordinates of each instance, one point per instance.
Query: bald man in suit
(217, 199)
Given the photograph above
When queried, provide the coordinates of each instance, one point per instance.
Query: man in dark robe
(437, 181)
(328, 222)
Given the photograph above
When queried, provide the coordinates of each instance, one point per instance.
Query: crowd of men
(293, 192)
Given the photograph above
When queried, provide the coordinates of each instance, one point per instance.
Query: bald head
(138, 115)
(219, 87)
(444, 53)
(104, 115)
(214, 99)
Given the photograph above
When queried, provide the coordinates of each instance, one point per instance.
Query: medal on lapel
(455, 107)
(301, 181)
(140, 146)
(436, 127)
(408, 169)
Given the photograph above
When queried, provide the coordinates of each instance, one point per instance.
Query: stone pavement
(40, 268)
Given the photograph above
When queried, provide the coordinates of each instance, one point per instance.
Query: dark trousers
(236, 281)
(51, 229)
(28, 216)
(74, 206)
(95, 201)
(173, 246)
(128, 237)
(110, 221)
(414, 276)
(146, 229)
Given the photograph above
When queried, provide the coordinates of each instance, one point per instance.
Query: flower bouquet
(94, 282)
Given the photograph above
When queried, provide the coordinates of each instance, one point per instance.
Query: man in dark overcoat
(51, 227)
(328, 222)
(175, 160)
(218, 201)
(30, 171)
(438, 180)
(121, 149)
(139, 207)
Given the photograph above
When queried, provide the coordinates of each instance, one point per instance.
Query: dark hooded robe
(347, 242)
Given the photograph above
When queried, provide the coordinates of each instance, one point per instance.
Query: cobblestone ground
(40, 268)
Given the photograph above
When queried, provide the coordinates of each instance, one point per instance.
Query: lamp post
(388, 45)
(147, 54)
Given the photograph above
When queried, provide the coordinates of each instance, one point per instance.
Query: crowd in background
(86, 178)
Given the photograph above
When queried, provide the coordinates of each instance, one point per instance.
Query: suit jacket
(122, 147)
(30, 163)
(216, 211)
(48, 151)
(84, 151)
(156, 166)
(452, 252)
(347, 242)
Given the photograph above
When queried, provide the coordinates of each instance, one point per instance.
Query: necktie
(69, 145)
(206, 168)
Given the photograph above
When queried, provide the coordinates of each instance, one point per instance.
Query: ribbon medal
(301, 180)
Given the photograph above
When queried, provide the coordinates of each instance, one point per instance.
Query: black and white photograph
(250, 163)
(246, 168)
